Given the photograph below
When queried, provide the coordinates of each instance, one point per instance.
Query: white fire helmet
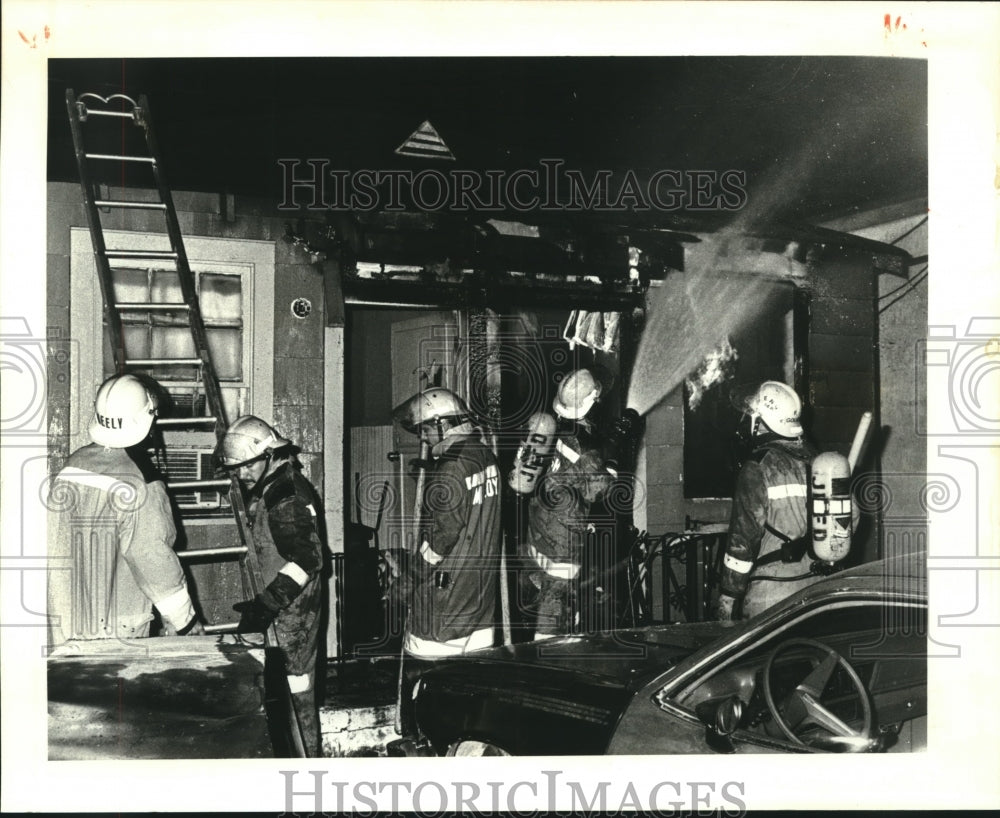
(124, 410)
(779, 406)
(577, 393)
(430, 405)
(248, 438)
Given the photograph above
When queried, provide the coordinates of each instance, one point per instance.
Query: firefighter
(112, 530)
(558, 512)
(454, 576)
(767, 555)
(283, 511)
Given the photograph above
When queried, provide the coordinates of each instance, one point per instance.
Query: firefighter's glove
(724, 608)
(257, 613)
(192, 628)
(399, 583)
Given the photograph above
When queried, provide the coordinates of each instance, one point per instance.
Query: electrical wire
(904, 285)
(913, 286)
(917, 225)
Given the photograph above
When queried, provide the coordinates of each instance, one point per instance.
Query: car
(840, 666)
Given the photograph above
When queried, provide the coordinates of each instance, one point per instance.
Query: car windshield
(870, 647)
(862, 625)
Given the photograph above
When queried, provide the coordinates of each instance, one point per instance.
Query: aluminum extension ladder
(138, 115)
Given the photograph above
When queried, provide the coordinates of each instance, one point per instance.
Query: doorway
(505, 366)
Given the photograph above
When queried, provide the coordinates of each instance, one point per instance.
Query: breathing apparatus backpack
(830, 520)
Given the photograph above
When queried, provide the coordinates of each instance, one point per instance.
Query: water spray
(720, 289)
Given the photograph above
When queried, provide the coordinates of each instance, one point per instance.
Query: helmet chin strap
(268, 459)
(267, 465)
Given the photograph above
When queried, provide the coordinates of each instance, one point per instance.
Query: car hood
(625, 657)
(553, 696)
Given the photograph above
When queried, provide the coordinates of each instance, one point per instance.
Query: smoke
(694, 312)
(692, 316)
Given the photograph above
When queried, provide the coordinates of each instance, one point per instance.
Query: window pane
(226, 347)
(166, 287)
(173, 342)
(221, 297)
(234, 401)
(130, 285)
(135, 339)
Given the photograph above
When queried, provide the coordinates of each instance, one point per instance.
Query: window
(765, 350)
(235, 284)
(166, 334)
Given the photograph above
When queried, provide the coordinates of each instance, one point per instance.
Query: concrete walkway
(360, 707)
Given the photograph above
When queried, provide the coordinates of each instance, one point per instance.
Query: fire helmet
(246, 439)
(124, 410)
(779, 407)
(428, 406)
(577, 393)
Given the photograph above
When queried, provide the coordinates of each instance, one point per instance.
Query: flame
(717, 366)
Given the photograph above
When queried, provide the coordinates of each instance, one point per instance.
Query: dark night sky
(853, 129)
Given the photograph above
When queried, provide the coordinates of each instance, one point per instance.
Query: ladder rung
(145, 306)
(227, 628)
(185, 421)
(213, 552)
(149, 160)
(188, 485)
(136, 205)
(163, 361)
(140, 254)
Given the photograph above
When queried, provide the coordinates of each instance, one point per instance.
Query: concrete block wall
(902, 320)
(298, 357)
(663, 455)
(664, 452)
(65, 209)
(842, 367)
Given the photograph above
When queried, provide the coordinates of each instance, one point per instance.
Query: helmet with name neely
(124, 411)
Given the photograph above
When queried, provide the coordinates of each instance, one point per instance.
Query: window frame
(254, 260)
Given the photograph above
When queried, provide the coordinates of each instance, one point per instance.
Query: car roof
(904, 573)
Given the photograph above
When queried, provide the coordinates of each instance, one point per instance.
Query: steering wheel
(804, 707)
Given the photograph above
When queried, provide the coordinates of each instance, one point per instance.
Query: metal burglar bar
(81, 109)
